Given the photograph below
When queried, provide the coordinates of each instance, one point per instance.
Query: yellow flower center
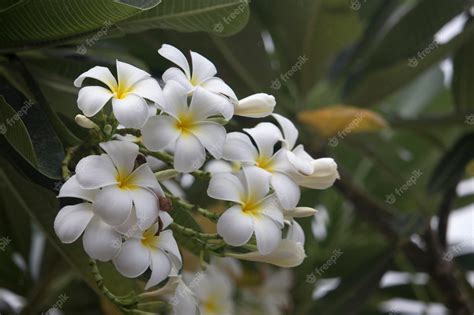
(251, 207)
(125, 182)
(148, 239)
(185, 123)
(211, 305)
(121, 91)
(264, 162)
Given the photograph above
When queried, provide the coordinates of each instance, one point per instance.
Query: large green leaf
(463, 77)
(28, 131)
(38, 23)
(14, 130)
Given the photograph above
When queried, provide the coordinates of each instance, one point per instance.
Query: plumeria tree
(233, 157)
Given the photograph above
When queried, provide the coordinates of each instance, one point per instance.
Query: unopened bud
(166, 174)
(255, 106)
(85, 122)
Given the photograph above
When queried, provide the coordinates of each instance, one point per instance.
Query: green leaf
(463, 77)
(14, 130)
(42, 206)
(220, 17)
(29, 132)
(450, 169)
(46, 23)
(33, 23)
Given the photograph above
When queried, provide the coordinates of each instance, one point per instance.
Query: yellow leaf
(342, 120)
(470, 168)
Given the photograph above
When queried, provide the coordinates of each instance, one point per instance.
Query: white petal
(212, 137)
(203, 69)
(91, 99)
(131, 111)
(226, 186)
(101, 241)
(257, 182)
(267, 233)
(129, 75)
(166, 219)
(217, 85)
(160, 268)
(113, 205)
(123, 154)
(72, 189)
(235, 226)
(289, 130)
(288, 254)
(96, 171)
(102, 74)
(189, 154)
(205, 104)
(133, 259)
(146, 207)
(144, 177)
(166, 241)
(174, 55)
(271, 208)
(324, 174)
(175, 74)
(295, 232)
(176, 99)
(130, 227)
(286, 189)
(265, 135)
(255, 106)
(300, 164)
(159, 132)
(149, 89)
(218, 166)
(238, 147)
(71, 221)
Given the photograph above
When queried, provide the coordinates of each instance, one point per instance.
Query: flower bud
(300, 212)
(85, 122)
(255, 106)
(288, 254)
(166, 174)
(324, 174)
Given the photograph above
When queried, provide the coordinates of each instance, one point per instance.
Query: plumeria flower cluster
(163, 133)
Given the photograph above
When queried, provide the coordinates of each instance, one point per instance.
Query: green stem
(124, 302)
(193, 208)
(192, 233)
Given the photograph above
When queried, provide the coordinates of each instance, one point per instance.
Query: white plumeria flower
(311, 173)
(185, 128)
(255, 106)
(128, 93)
(239, 147)
(146, 250)
(121, 186)
(255, 212)
(214, 293)
(203, 75)
(287, 254)
(101, 241)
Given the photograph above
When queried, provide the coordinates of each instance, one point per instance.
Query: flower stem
(192, 233)
(193, 208)
(128, 302)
